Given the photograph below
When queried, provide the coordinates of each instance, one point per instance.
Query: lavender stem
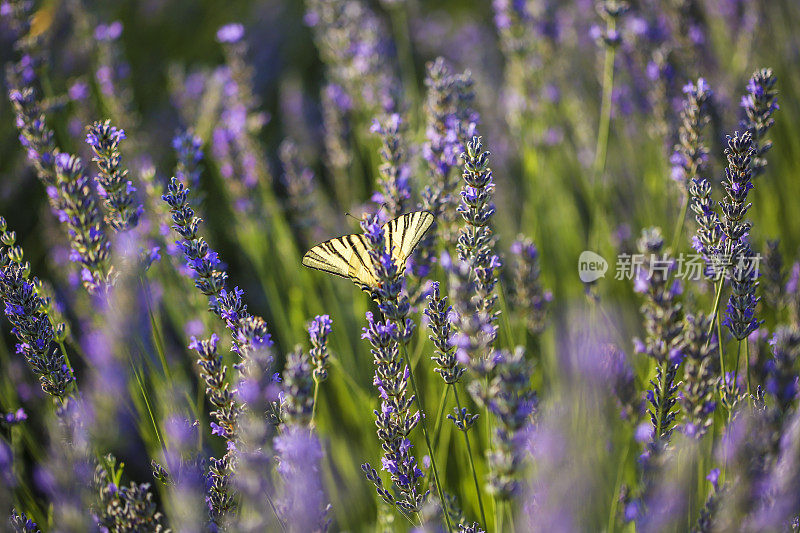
(605, 107)
(471, 460)
(715, 320)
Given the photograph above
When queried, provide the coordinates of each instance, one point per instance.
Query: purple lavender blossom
(740, 311)
(759, 105)
(782, 381)
(109, 32)
(204, 262)
(124, 507)
(475, 241)
(700, 371)
(298, 389)
(300, 184)
(318, 331)
(233, 142)
(302, 498)
(509, 398)
(14, 418)
(189, 151)
(778, 511)
(690, 155)
(664, 342)
(450, 124)
(709, 228)
(117, 192)
(79, 213)
(439, 316)
(618, 371)
(24, 309)
(525, 287)
(394, 419)
(352, 43)
(230, 33)
(219, 498)
(21, 523)
(35, 136)
(394, 186)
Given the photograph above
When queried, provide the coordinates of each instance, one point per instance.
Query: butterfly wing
(404, 233)
(346, 256)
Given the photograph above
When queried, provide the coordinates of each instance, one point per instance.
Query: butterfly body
(348, 256)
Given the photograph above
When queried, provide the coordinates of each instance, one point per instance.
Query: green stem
(498, 516)
(471, 460)
(314, 405)
(719, 342)
(612, 513)
(747, 362)
(736, 370)
(399, 21)
(679, 225)
(605, 109)
(440, 417)
(714, 320)
(510, 511)
(66, 357)
(427, 439)
(156, 332)
(146, 399)
(275, 510)
(504, 311)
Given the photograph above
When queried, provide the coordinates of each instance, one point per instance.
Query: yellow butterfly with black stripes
(348, 256)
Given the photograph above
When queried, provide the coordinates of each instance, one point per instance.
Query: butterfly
(348, 256)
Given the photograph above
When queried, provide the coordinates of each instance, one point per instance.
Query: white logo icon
(591, 266)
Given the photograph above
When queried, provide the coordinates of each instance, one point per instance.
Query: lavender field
(566, 296)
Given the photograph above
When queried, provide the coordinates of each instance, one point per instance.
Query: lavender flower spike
(709, 227)
(33, 330)
(300, 187)
(394, 420)
(209, 279)
(318, 331)
(509, 398)
(298, 389)
(662, 322)
(302, 500)
(740, 312)
(35, 136)
(123, 508)
(219, 499)
(781, 382)
(690, 155)
(33, 327)
(760, 104)
(117, 192)
(20, 523)
(438, 312)
(527, 292)
(475, 241)
(78, 211)
(189, 151)
(699, 382)
(394, 179)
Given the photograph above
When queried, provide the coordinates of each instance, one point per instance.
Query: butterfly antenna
(351, 216)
